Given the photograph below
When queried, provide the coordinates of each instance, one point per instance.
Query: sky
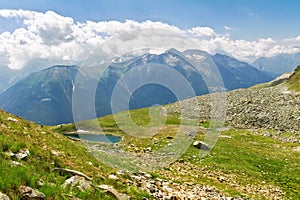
(233, 27)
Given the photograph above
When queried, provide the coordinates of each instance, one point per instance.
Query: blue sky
(247, 19)
(65, 31)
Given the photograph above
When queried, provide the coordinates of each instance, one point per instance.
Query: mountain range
(45, 97)
(278, 64)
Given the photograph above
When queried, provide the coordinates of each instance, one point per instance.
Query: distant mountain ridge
(239, 74)
(278, 64)
(45, 97)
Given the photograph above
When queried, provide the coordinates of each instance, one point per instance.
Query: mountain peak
(61, 66)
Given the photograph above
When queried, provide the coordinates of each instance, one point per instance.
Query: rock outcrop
(27, 193)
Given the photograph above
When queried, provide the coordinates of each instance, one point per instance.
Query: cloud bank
(54, 37)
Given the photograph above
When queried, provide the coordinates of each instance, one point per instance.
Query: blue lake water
(96, 137)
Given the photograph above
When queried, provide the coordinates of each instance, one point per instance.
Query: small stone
(12, 119)
(149, 149)
(138, 178)
(113, 177)
(57, 153)
(121, 172)
(15, 163)
(200, 145)
(22, 154)
(158, 183)
(90, 163)
(152, 189)
(221, 179)
(114, 192)
(225, 136)
(146, 175)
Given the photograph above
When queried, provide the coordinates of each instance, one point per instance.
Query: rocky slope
(269, 108)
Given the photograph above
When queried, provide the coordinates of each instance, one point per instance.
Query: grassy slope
(48, 150)
(249, 162)
(294, 81)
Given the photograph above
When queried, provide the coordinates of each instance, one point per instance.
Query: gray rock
(4, 196)
(113, 191)
(80, 182)
(113, 177)
(12, 119)
(22, 154)
(27, 193)
(200, 145)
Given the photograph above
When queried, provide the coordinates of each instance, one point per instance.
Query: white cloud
(202, 32)
(228, 28)
(54, 37)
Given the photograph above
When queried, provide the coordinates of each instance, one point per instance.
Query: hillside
(272, 105)
(47, 92)
(41, 151)
(294, 81)
(253, 108)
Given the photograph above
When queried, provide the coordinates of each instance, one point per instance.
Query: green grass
(249, 162)
(251, 159)
(293, 82)
(248, 157)
(37, 167)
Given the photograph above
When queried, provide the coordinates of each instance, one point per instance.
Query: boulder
(4, 196)
(80, 182)
(114, 192)
(27, 193)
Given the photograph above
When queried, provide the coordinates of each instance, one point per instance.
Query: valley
(256, 155)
